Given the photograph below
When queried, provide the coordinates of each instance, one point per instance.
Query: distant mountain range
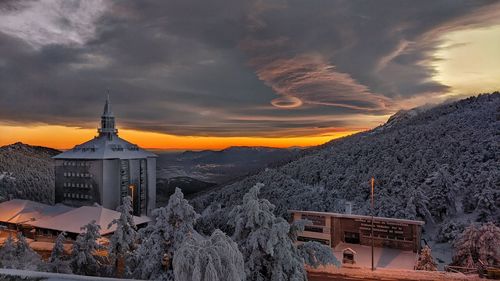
(440, 164)
(219, 166)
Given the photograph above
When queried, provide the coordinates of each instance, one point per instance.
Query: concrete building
(396, 241)
(334, 228)
(106, 169)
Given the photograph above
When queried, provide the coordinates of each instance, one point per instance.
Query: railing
(461, 269)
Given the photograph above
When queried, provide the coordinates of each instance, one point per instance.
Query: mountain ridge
(439, 165)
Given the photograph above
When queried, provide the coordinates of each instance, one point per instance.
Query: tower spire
(107, 120)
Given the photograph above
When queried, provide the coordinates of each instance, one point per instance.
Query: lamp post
(372, 191)
(132, 188)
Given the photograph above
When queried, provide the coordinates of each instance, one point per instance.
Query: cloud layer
(224, 67)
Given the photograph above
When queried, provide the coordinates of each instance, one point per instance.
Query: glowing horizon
(47, 136)
(260, 81)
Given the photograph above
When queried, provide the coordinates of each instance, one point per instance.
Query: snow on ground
(356, 273)
(36, 275)
(442, 253)
(383, 257)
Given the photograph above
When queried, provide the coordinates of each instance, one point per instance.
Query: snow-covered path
(51, 276)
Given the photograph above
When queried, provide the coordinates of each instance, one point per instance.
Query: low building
(37, 221)
(334, 228)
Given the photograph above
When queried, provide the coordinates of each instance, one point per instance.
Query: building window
(307, 239)
(313, 229)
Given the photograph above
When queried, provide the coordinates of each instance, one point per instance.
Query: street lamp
(132, 188)
(372, 191)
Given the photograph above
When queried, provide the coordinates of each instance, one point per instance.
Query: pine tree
(313, 253)
(161, 238)
(425, 260)
(57, 262)
(122, 242)
(8, 253)
(316, 254)
(84, 260)
(479, 244)
(488, 244)
(264, 240)
(214, 259)
(19, 255)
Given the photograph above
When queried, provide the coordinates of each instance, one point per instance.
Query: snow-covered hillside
(438, 164)
(27, 172)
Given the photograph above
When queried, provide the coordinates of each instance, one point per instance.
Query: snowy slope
(27, 172)
(440, 164)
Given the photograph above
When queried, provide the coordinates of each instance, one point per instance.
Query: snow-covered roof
(75, 219)
(25, 211)
(107, 145)
(103, 147)
(338, 215)
(60, 217)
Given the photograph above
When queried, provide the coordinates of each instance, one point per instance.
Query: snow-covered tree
(214, 259)
(8, 252)
(84, 258)
(122, 242)
(264, 240)
(313, 253)
(478, 244)
(19, 255)
(418, 154)
(161, 238)
(316, 254)
(425, 260)
(57, 261)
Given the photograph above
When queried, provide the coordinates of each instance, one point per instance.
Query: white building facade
(106, 169)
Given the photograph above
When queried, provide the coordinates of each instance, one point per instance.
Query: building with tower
(106, 169)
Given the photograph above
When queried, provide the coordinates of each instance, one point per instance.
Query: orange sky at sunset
(280, 77)
(62, 137)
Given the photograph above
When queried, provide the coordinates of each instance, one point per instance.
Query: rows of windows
(77, 163)
(77, 196)
(80, 185)
(307, 239)
(78, 175)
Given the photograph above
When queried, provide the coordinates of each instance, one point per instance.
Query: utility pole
(373, 184)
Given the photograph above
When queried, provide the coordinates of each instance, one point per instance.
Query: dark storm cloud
(222, 67)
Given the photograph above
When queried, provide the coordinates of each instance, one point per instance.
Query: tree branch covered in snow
(214, 259)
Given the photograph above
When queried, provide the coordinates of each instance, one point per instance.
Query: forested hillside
(438, 164)
(27, 172)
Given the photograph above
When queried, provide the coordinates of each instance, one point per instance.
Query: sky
(191, 74)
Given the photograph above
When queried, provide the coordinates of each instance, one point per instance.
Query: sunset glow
(62, 137)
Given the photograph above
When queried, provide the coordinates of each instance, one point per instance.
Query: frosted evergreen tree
(8, 253)
(84, 260)
(313, 253)
(486, 202)
(19, 255)
(214, 259)
(417, 205)
(122, 242)
(57, 262)
(264, 240)
(488, 244)
(478, 244)
(425, 260)
(161, 238)
(316, 254)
